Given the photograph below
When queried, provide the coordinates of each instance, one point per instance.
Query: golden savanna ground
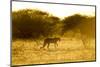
(69, 50)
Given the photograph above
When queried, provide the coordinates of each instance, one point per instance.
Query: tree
(71, 22)
(80, 24)
(29, 23)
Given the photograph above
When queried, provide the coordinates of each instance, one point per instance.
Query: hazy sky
(58, 10)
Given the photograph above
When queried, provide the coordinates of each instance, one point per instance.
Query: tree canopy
(32, 23)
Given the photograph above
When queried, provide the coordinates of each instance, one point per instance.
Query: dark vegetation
(31, 23)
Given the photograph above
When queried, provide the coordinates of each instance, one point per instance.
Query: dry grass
(28, 52)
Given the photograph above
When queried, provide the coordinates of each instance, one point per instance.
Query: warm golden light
(53, 33)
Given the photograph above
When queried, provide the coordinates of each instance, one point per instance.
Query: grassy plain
(69, 50)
